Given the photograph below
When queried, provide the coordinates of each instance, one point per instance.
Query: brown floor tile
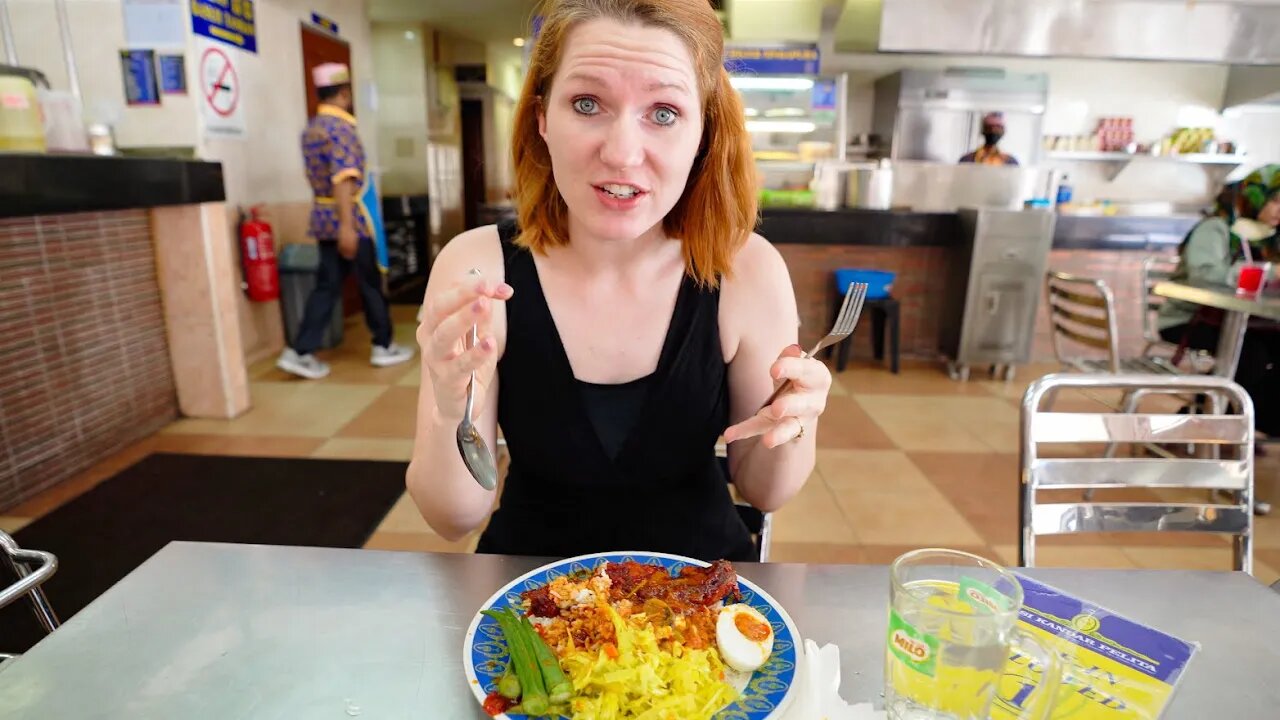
(365, 449)
(886, 554)
(953, 424)
(241, 445)
(1186, 558)
(393, 415)
(982, 488)
(404, 314)
(872, 471)
(913, 379)
(1266, 565)
(846, 425)
(826, 553)
(404, 518)
(812, 516)
(413, 378)
(12, 524)
(1083, 556)
(294, 409)
(928, 520)
(420, 542)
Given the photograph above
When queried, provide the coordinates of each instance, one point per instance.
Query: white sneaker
(307, 366)
(392, 354)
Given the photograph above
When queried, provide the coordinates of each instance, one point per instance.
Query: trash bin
(298, 265)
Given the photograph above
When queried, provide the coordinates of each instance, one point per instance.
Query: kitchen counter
(123, 275)
(32, 184)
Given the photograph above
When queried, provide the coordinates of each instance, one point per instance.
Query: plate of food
(632, 635)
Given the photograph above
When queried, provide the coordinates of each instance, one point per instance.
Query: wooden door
(473, 187)
(319, 47)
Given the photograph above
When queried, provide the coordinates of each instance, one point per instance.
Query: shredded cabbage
(645, 682)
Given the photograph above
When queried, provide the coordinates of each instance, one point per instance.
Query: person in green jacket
(1242, 227)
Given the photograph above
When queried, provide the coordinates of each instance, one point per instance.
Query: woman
(1243, 226)
(629, 317)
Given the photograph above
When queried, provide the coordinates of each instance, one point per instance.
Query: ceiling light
(751, 112)
(784, 112)
(771, 83)
(410, 35)
(518, 42)
(780, 126)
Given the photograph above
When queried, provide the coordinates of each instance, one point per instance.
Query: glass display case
(795, 121)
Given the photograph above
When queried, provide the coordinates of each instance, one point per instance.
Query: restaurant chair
(31, 568)
(758, 522)
(1232, 471)
(1082, 317)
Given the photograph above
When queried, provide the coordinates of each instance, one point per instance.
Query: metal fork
(846, 321)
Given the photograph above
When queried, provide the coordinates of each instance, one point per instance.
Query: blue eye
(585, 106)
(665, 116)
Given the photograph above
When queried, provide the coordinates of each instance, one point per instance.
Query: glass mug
(955, 651)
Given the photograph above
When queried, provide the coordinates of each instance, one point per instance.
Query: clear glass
(952, 630)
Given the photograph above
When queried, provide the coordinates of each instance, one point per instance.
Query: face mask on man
(992, 137)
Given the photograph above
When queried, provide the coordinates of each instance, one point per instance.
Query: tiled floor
(904, 461)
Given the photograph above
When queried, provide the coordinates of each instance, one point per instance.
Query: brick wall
(1122, 271)
(918, 287)
(84, 362)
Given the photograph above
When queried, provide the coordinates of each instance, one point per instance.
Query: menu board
(1115, 668)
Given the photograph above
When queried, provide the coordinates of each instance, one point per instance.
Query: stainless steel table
(231, 632)
(1236, 311)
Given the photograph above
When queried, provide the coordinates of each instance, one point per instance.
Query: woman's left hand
(795, 412)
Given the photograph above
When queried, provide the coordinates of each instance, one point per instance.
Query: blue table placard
(173, 74)
(789, 60)
(327, 24)
(228, 21)
(139, 70)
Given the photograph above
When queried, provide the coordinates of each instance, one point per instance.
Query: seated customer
(1242, 226)
(631, 316)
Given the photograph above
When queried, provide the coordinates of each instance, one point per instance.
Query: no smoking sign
(220, 81)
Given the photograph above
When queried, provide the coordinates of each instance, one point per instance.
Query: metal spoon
(475, 454)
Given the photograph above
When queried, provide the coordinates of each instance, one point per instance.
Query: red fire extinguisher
(258, 258)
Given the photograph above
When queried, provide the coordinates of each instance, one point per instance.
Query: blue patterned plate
(767, 693)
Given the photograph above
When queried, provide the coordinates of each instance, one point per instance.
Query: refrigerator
(936, 115)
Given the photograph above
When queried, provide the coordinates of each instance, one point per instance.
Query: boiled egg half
(744, 637)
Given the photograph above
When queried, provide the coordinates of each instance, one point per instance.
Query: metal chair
(1082, 311)
(1234, 475)
(29, 581)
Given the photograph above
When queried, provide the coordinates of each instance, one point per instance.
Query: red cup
(1250, 279)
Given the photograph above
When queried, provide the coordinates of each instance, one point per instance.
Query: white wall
(97, 35)
(265, 166)
(399, 59)
(1160, 97)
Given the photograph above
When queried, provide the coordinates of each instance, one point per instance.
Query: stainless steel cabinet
(993, 288)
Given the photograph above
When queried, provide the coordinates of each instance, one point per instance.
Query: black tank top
(662, 489)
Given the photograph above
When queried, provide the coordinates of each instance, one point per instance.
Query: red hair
(717, 211)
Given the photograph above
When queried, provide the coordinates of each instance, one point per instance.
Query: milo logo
(983, 597)
(917, 650)
(977, 597)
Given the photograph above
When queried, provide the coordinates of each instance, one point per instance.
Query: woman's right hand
(448, 362)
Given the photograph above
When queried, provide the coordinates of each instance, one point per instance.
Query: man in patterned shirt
(342, 227)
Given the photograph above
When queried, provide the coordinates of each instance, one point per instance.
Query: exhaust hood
(1240, 32)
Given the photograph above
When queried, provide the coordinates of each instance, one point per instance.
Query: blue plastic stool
(886, 313)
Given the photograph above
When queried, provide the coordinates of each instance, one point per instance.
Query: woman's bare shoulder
(477, 248)
(759, 273)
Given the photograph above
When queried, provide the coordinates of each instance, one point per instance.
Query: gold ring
(801, 433)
